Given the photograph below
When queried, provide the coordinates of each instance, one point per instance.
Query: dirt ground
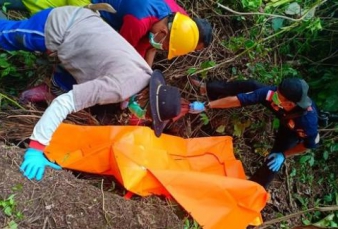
(61, 200)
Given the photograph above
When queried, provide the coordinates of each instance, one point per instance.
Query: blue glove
(196, 107)
(34, 163)
(276, 161)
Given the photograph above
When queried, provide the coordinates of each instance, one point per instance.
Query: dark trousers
(221, 89)
(62, 81)
(285, 138)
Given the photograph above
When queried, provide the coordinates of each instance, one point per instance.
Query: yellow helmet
(184, 36)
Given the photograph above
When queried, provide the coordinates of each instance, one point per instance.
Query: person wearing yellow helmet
(147, 25)
(178, 34)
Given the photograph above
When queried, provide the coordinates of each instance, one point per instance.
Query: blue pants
(62, 81)
(27, 35)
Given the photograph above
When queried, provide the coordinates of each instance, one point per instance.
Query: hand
(124, 104)
(34, 163)
(196, 107)
(276, 161)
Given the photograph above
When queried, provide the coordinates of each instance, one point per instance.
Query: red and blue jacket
(134, 18)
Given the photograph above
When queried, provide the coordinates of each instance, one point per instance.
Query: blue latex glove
(276, 161)
(34, 163)
(196, 107)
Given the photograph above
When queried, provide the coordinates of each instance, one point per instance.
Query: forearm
(150, 56)
(298, 149)
(52, 118)
(227, 102)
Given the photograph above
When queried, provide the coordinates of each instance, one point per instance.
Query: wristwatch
(207, 106)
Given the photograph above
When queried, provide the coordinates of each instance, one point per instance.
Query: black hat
(295, 90)
(165, 101)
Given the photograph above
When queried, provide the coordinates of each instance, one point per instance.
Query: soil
(61, 200)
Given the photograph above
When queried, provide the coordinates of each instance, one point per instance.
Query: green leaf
(334, 147)
(13, 225)
(4, 63)
(17, 187)
(333, 224)
(326, 155)
(249, 43)
(304, 159)
(251, 4)
(233, 70)
(192, 70)
(309, 13)
(293, 9)
(325, 222)
(328, 198)
(8, 210)
(293, 172)
(6, 71)
(208, 64)
(239, 127)
(312, 161)
(277, 23)
(19, 215)
(306, 221)
(275, 123)
(220, 129)
(204, 118)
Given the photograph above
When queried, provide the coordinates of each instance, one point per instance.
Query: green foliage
(16, 69)
(4, 6)
(191, 224)
(270, 73)
(203, 69)
(317, 170)
(8, 60)
(220, 129)
(4, 103)
(329, 221)
(240, 127)
(324, 86)
(204, 119)
(251, 4)
(8, 206)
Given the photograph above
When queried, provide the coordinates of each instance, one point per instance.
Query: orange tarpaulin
(202, 174)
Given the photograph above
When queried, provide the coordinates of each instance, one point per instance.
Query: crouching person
(106, 68)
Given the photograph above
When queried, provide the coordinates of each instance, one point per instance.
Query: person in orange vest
(289, 101)
(106, 68)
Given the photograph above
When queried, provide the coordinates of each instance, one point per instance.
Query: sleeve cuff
(36, 145)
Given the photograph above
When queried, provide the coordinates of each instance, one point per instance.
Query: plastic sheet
(202, 174)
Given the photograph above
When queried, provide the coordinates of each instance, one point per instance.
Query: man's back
(148, 10)
(91, 51)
